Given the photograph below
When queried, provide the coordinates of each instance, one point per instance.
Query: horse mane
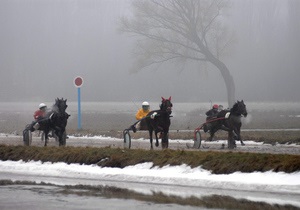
(234, 107)
(60, 105)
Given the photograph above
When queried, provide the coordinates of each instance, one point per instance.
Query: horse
(159, 122)
(55, 120)
(230, 121)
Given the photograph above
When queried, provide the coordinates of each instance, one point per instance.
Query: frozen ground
(182, 181)
(142, 143)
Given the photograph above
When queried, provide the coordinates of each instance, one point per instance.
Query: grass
(216, 162)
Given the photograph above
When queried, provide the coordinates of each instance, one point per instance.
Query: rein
(208, 121)
(216, 119)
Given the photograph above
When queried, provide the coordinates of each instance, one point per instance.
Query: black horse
(159, 122)
(55, 120)
(230, 121)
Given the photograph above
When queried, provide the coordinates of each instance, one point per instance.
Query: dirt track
(144, 144)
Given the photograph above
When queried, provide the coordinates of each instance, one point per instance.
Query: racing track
(100, 141)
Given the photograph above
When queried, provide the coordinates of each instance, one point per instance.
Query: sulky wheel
(127, 139)
(27, 137)
(197, 140)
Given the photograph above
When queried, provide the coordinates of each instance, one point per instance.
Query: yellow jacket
(141, 114)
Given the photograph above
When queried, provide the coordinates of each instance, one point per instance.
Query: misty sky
(45, 44)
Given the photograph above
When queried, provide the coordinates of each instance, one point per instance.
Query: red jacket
(38, 114)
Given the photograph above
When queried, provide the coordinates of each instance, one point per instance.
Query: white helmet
(145, 103)
(42, 105)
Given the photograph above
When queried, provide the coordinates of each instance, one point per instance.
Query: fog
(45, 44)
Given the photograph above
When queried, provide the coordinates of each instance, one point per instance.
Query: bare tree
(181, 30)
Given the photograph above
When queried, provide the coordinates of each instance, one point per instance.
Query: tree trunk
(228, 79)
(229, 82)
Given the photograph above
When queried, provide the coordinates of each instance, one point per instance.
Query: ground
(267, 127)
(143, 143)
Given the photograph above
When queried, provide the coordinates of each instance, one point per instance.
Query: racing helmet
(215, 106)
(145, 105)
(42, 105)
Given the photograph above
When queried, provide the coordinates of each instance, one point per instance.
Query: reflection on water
(28, 197)
(31, 196)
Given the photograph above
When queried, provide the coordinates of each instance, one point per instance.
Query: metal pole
(79, 110)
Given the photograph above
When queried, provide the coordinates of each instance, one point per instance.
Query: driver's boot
(133, 128)
(36, 126)
(31, 127)
(206, 127)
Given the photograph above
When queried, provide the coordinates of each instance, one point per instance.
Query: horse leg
(242, 143)
(212, 133)
(231, 141)
(151, 139)
(224, 128)
(238, 132)
(59, 139)
(156, 137)
(237, 136)
(46, 132)
(59, 134)
(165, 140)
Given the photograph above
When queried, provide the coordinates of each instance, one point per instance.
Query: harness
(214, 119)
(209, 121)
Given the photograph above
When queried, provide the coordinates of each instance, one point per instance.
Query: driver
(212, 112)
(38, 115)
(141, 113)
(41, 112)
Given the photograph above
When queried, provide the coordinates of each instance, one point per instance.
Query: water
(178, 187)
(30, 197)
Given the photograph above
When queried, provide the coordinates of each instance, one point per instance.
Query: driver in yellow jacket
(141, 113)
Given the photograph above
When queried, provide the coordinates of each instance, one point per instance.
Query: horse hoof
(157, 144)
(231, 146)
(243, 144)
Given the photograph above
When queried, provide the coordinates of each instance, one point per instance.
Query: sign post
(78, 82)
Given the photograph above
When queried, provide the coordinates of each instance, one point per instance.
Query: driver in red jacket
(38, 115)
(41, 112)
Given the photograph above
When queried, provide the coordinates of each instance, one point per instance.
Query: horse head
(61, 105)
(240, 108)
(166, 105)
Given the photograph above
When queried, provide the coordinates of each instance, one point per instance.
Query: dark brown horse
(230, 121)
(55, 120)
(159, 122)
